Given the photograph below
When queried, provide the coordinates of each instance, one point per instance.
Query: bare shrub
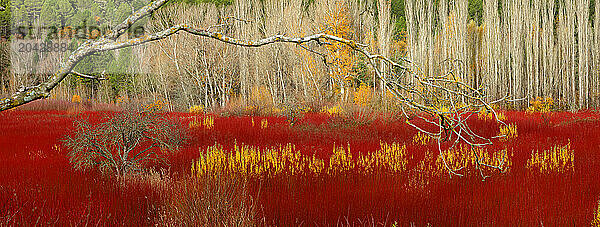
(209, 201)
(123, 143)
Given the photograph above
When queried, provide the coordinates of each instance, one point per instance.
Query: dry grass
(209, 201)
(69, 106)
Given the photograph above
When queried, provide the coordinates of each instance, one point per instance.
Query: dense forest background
(525, 49)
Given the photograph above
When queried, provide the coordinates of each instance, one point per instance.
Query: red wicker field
(39, 186)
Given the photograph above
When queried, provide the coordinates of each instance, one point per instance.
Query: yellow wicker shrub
(466, 158)
(508, 132)
(391, 157)
(421, 138)
(557, 159)
(250, 161)
(485, 114)
(340, 161)
(264, 123)
(596, 220)
(332, 111)
(206, 122)
(316, 166)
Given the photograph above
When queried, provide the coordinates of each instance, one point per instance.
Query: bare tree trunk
(570, 18)
(583, 32)
(548, 55)
(596, 64)
(491, 20)
(243, 65)
(384, 35)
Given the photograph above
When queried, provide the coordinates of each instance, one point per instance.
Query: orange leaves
(338, 24)
(196, 109)
(76, 99)
(155, 106)
(218, 35)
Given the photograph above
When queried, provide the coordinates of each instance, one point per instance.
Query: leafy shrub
(261, 100)
(294, 112)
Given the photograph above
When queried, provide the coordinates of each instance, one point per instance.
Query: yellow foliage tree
(540, 105)
(340, 55)
(363, 96)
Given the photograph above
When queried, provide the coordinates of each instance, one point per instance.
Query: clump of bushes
(123, 143)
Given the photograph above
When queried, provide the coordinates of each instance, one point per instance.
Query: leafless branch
(85, 76)
(226, 23)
